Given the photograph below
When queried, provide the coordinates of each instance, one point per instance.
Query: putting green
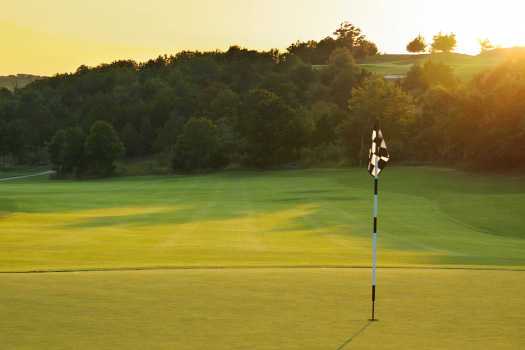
(263, 309)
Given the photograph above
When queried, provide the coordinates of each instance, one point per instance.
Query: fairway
(465, 67)
(427, 217)
(263, 260)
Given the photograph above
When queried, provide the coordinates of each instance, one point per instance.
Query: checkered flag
(378, 153)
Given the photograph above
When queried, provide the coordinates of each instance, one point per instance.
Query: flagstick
(375, 242)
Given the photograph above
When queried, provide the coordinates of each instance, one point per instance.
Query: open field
(13, 82)
(293, 220)
(465, 66)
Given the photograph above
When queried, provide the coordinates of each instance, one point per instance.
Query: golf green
(295, 308)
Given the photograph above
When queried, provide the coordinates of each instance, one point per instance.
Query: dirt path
(24, 176)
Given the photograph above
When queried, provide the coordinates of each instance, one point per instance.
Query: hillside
(17, 81)
(465, 66)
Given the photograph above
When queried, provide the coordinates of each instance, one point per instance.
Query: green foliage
(102, 147)
(56, 151)
(148, 104)
(420, 78)
(341, 75)
(73, 151)
(417, 45)
(350, 37)
(198, 147)
(272, 131)
(225, 105)
(444, 42)
(496, 98)
(377, 102)
(168, 134)
(347, 36)
(485, 45)
(131, 140)
(66, 151)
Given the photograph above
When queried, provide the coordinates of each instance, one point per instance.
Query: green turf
(465, 67)
(307, 309)
(431, 217)
(428, 216)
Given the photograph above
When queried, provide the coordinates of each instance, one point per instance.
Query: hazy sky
(50, 36)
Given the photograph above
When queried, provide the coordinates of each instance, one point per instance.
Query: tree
(348, 35)
(351, 37)
(73, 150)
(417, 45)
(3, 141)
(444, 42)
(341, 75)
(225, 105)
(379, 102)
(198, 147)
(147, 134)
(420, 78)
(485, 45)
(20, 136)
(167, 135)
(132, 141)
(269, 129)
(102, 147)
(56, 151)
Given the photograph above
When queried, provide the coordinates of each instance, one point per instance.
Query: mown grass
(465, 67)
(430, 217)
(263, 309)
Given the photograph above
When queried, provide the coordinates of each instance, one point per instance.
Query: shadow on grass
(349, 340)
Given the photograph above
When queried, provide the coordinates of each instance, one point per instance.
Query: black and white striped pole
(378, 158)
(375, 243)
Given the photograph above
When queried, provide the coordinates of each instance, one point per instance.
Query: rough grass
(305, 309)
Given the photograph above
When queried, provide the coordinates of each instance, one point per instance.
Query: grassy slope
(465, 66)
(11, 82)
(307, 309)
(311, 217)
(431, 216)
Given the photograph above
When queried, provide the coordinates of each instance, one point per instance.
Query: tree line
(261, 109)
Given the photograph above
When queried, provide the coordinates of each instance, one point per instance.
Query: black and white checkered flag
(378, 153)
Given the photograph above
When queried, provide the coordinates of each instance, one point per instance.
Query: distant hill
(465, 66)
(17, 81)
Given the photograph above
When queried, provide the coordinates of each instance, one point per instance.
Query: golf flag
(377, 161)
(378, 156)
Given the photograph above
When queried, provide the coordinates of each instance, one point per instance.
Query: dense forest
(264, 109)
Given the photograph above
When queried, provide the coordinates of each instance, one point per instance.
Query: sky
(56, 36)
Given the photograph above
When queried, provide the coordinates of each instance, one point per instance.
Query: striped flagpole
(378, 158)
(375, 241)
